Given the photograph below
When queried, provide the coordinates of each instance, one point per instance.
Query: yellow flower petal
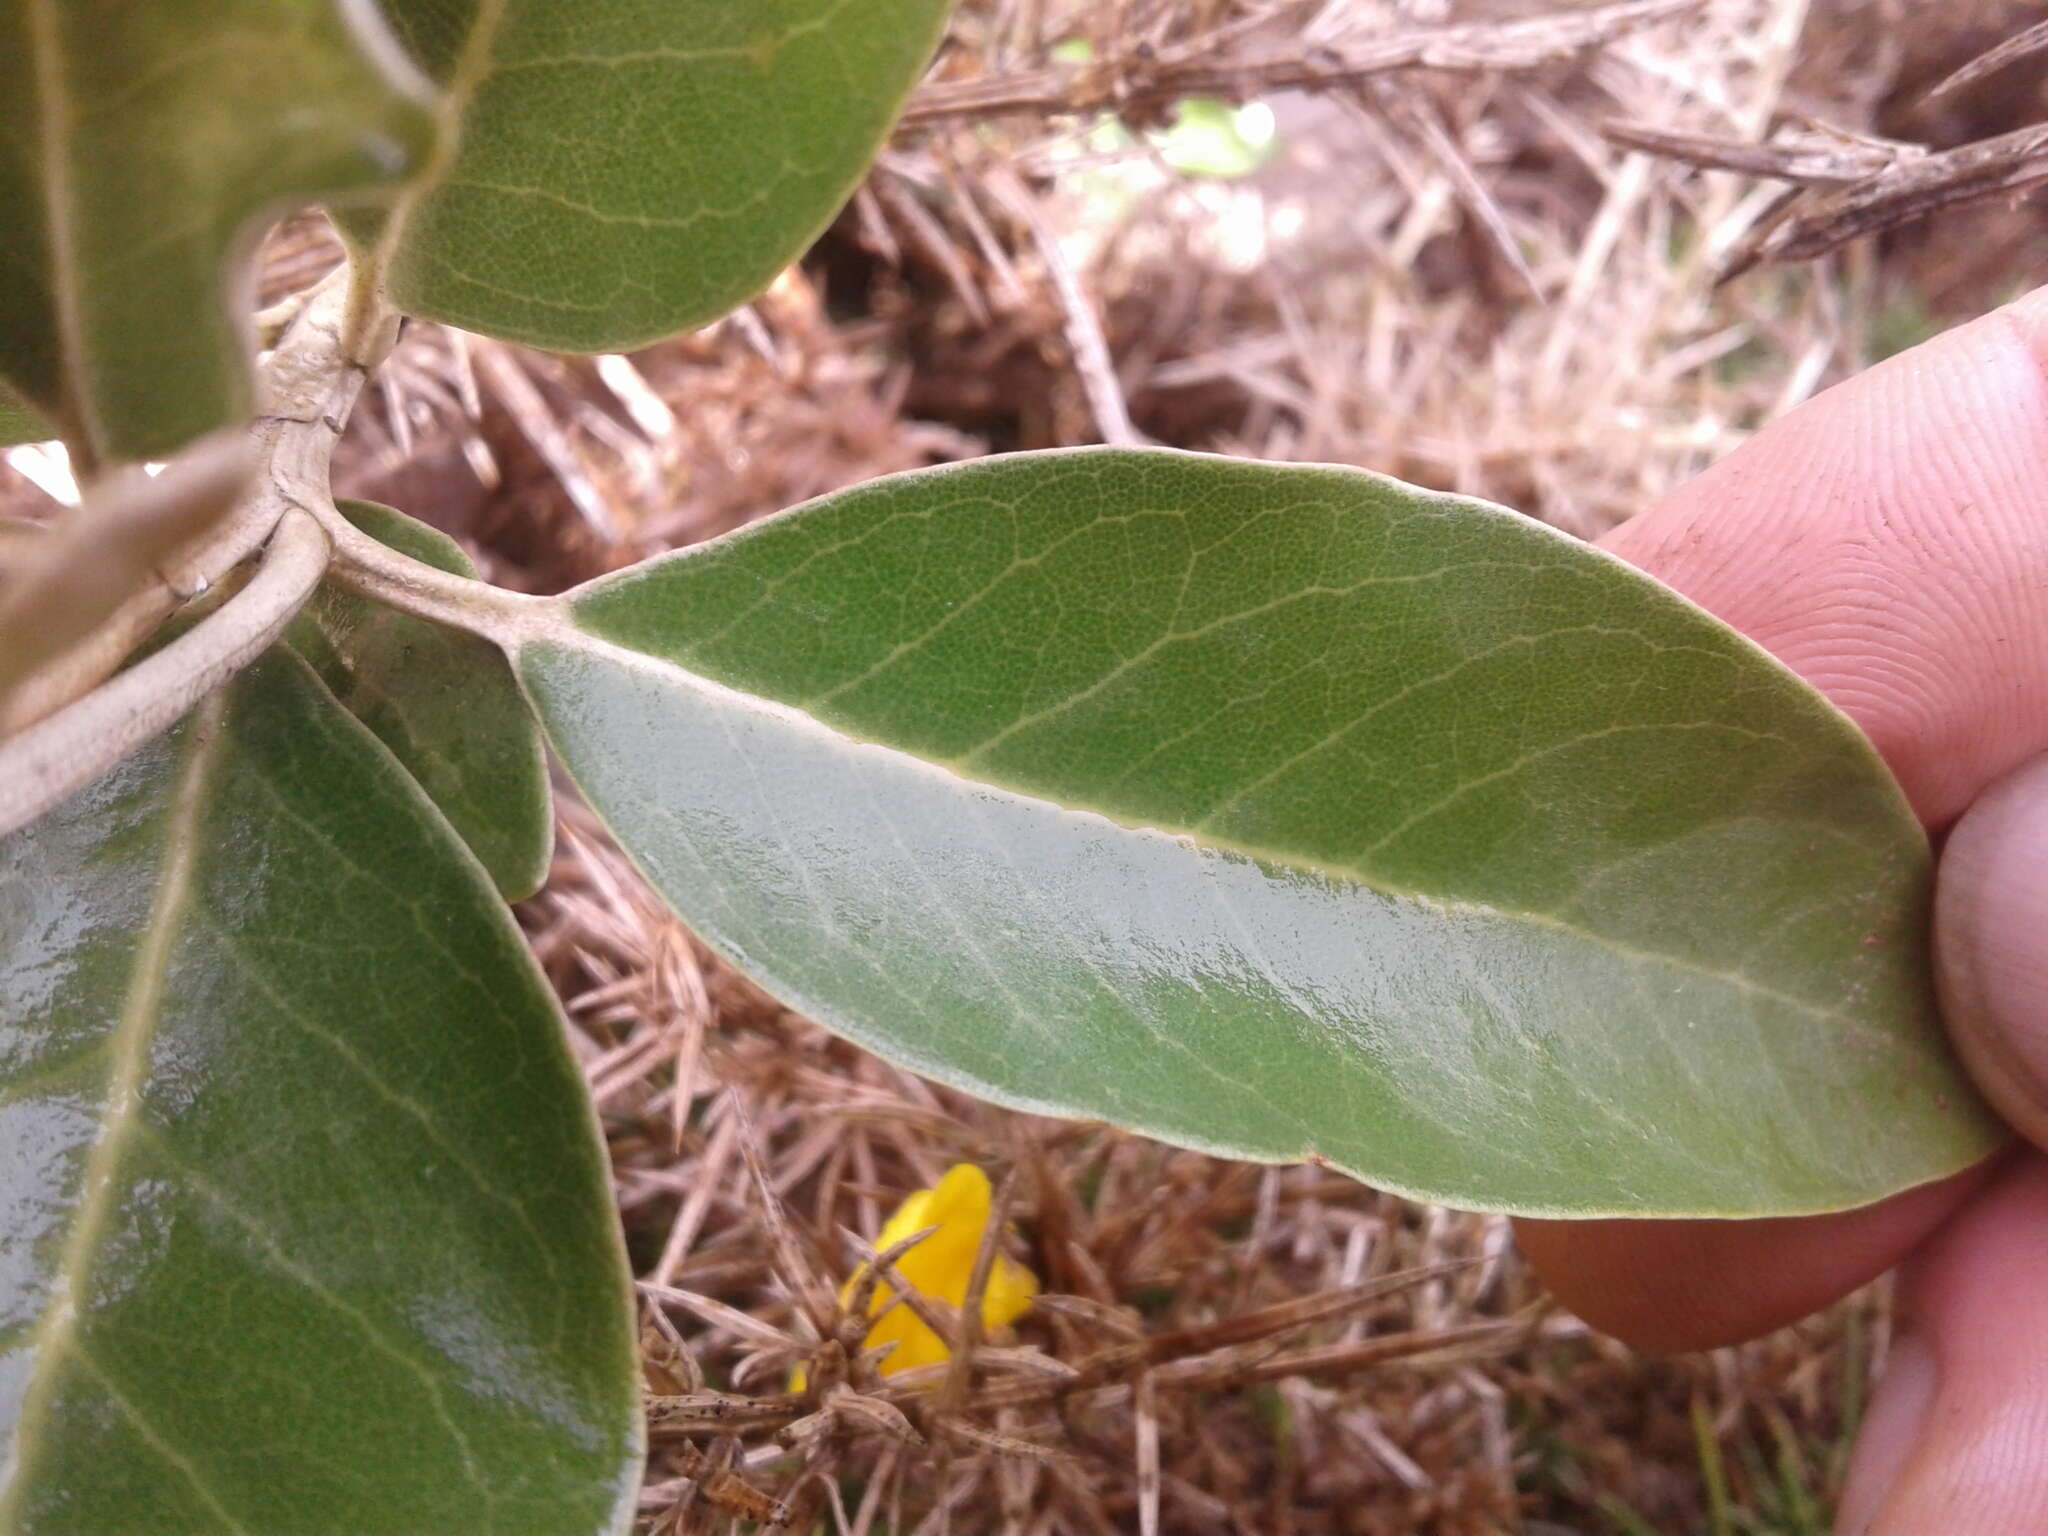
(940, 1267)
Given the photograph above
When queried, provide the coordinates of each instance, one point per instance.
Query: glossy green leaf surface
(1286, 812)
(445, 703)
(139, 142)
(621, 171)
(306, 1225)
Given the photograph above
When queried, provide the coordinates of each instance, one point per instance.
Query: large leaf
(443, 701)
(138, 140)
(618, 172)
(19, 424)
(1287, 812)
(306, 1226)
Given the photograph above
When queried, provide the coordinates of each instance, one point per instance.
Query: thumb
(1956, 1439)
(1991, 944)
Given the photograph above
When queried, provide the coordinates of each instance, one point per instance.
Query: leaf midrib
(559, 627)
(129, 1047)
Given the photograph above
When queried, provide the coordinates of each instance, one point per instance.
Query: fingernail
(1991, 944)
(1890, 1429)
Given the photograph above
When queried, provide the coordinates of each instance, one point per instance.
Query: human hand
(1889, 541)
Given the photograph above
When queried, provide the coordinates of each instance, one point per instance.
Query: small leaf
(443, 701)
(307, 1227)
(139, 140)
(619, 172)
(1284, 812)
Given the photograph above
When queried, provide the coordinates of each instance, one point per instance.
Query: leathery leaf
(306, 1224)
(1286, 812)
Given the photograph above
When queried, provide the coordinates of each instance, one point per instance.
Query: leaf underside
(445, 702)
(139, 139)
(623, 172)
(1284, 812)
(306, 1226)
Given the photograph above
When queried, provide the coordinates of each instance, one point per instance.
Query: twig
(308, 386)
(381, 572)
(1871, 185)
(1003, 1445)
(1145, 1405)
(1335, 1358)
(70, 613)
(666, 1360)
(730, 1493)
(854, 1322)
(929, 1310)
(967, 1338)
(682, 1232)
(1194, 1357)
(895, 191)
(875, 1414)
(1910, 189)
(871, 1497)
(529, 409)
(1140, 85)
(1841, 161)
(2033, 40)
(722, 1413)
(1422, 119)
(813, 1303)
(46, 764)
(719, 1315)
(1084, 331)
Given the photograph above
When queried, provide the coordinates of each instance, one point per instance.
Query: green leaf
(140, 140)
(619, 172)
(1284, 812)
(445, 702)
(306, 1225)
(19, 424)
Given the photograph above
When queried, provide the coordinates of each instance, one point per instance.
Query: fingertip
(1667, 1286)
(1886, 542)
(1973, 1454)
(1991, 945)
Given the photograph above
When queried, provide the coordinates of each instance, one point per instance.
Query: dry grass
(1446, 272)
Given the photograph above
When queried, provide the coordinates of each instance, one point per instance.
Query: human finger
(1888, 542)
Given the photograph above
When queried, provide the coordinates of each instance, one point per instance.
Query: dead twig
(1139, 83)
(2022, 45)
(687, 1415)
(1090, 349)
(1194, 1357)
(1839, 160)
(1871, 185)
(729, 1493)
(1422, 119)
(85, 595)
(1146, 1394)
(1910, 189)
(968, 1336)
(813, 1303)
